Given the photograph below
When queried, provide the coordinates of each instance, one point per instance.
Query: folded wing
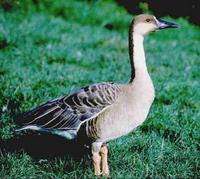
(69, 112)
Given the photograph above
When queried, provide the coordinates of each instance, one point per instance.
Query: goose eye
(148, 20)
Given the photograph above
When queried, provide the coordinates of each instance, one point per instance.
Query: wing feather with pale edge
(69, 112)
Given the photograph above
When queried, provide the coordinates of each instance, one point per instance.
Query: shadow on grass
(41, 145)
(45, 146)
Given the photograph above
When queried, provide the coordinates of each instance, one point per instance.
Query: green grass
(49, 49)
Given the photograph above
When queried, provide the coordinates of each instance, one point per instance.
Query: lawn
(50, 48)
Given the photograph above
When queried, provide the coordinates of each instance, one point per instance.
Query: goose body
(129, 111)
(105, 110)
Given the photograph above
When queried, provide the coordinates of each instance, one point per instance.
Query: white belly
(127, 113)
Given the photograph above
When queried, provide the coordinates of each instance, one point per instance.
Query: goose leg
(104, 160)
(96, 147)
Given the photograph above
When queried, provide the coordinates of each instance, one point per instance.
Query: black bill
(162, 24)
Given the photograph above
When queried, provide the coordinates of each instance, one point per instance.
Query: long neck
(136, 53)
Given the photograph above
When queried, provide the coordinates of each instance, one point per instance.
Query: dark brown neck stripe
(131, 50)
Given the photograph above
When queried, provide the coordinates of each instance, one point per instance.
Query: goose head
(144, 24)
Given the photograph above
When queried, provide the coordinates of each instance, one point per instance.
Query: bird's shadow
(45, 146)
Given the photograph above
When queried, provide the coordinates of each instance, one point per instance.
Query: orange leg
(104, 160)
(96, 163)
(96, 146)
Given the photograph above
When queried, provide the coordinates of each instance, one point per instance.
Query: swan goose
(105, 110)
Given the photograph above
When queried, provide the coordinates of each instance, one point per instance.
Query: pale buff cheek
(144, 28)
